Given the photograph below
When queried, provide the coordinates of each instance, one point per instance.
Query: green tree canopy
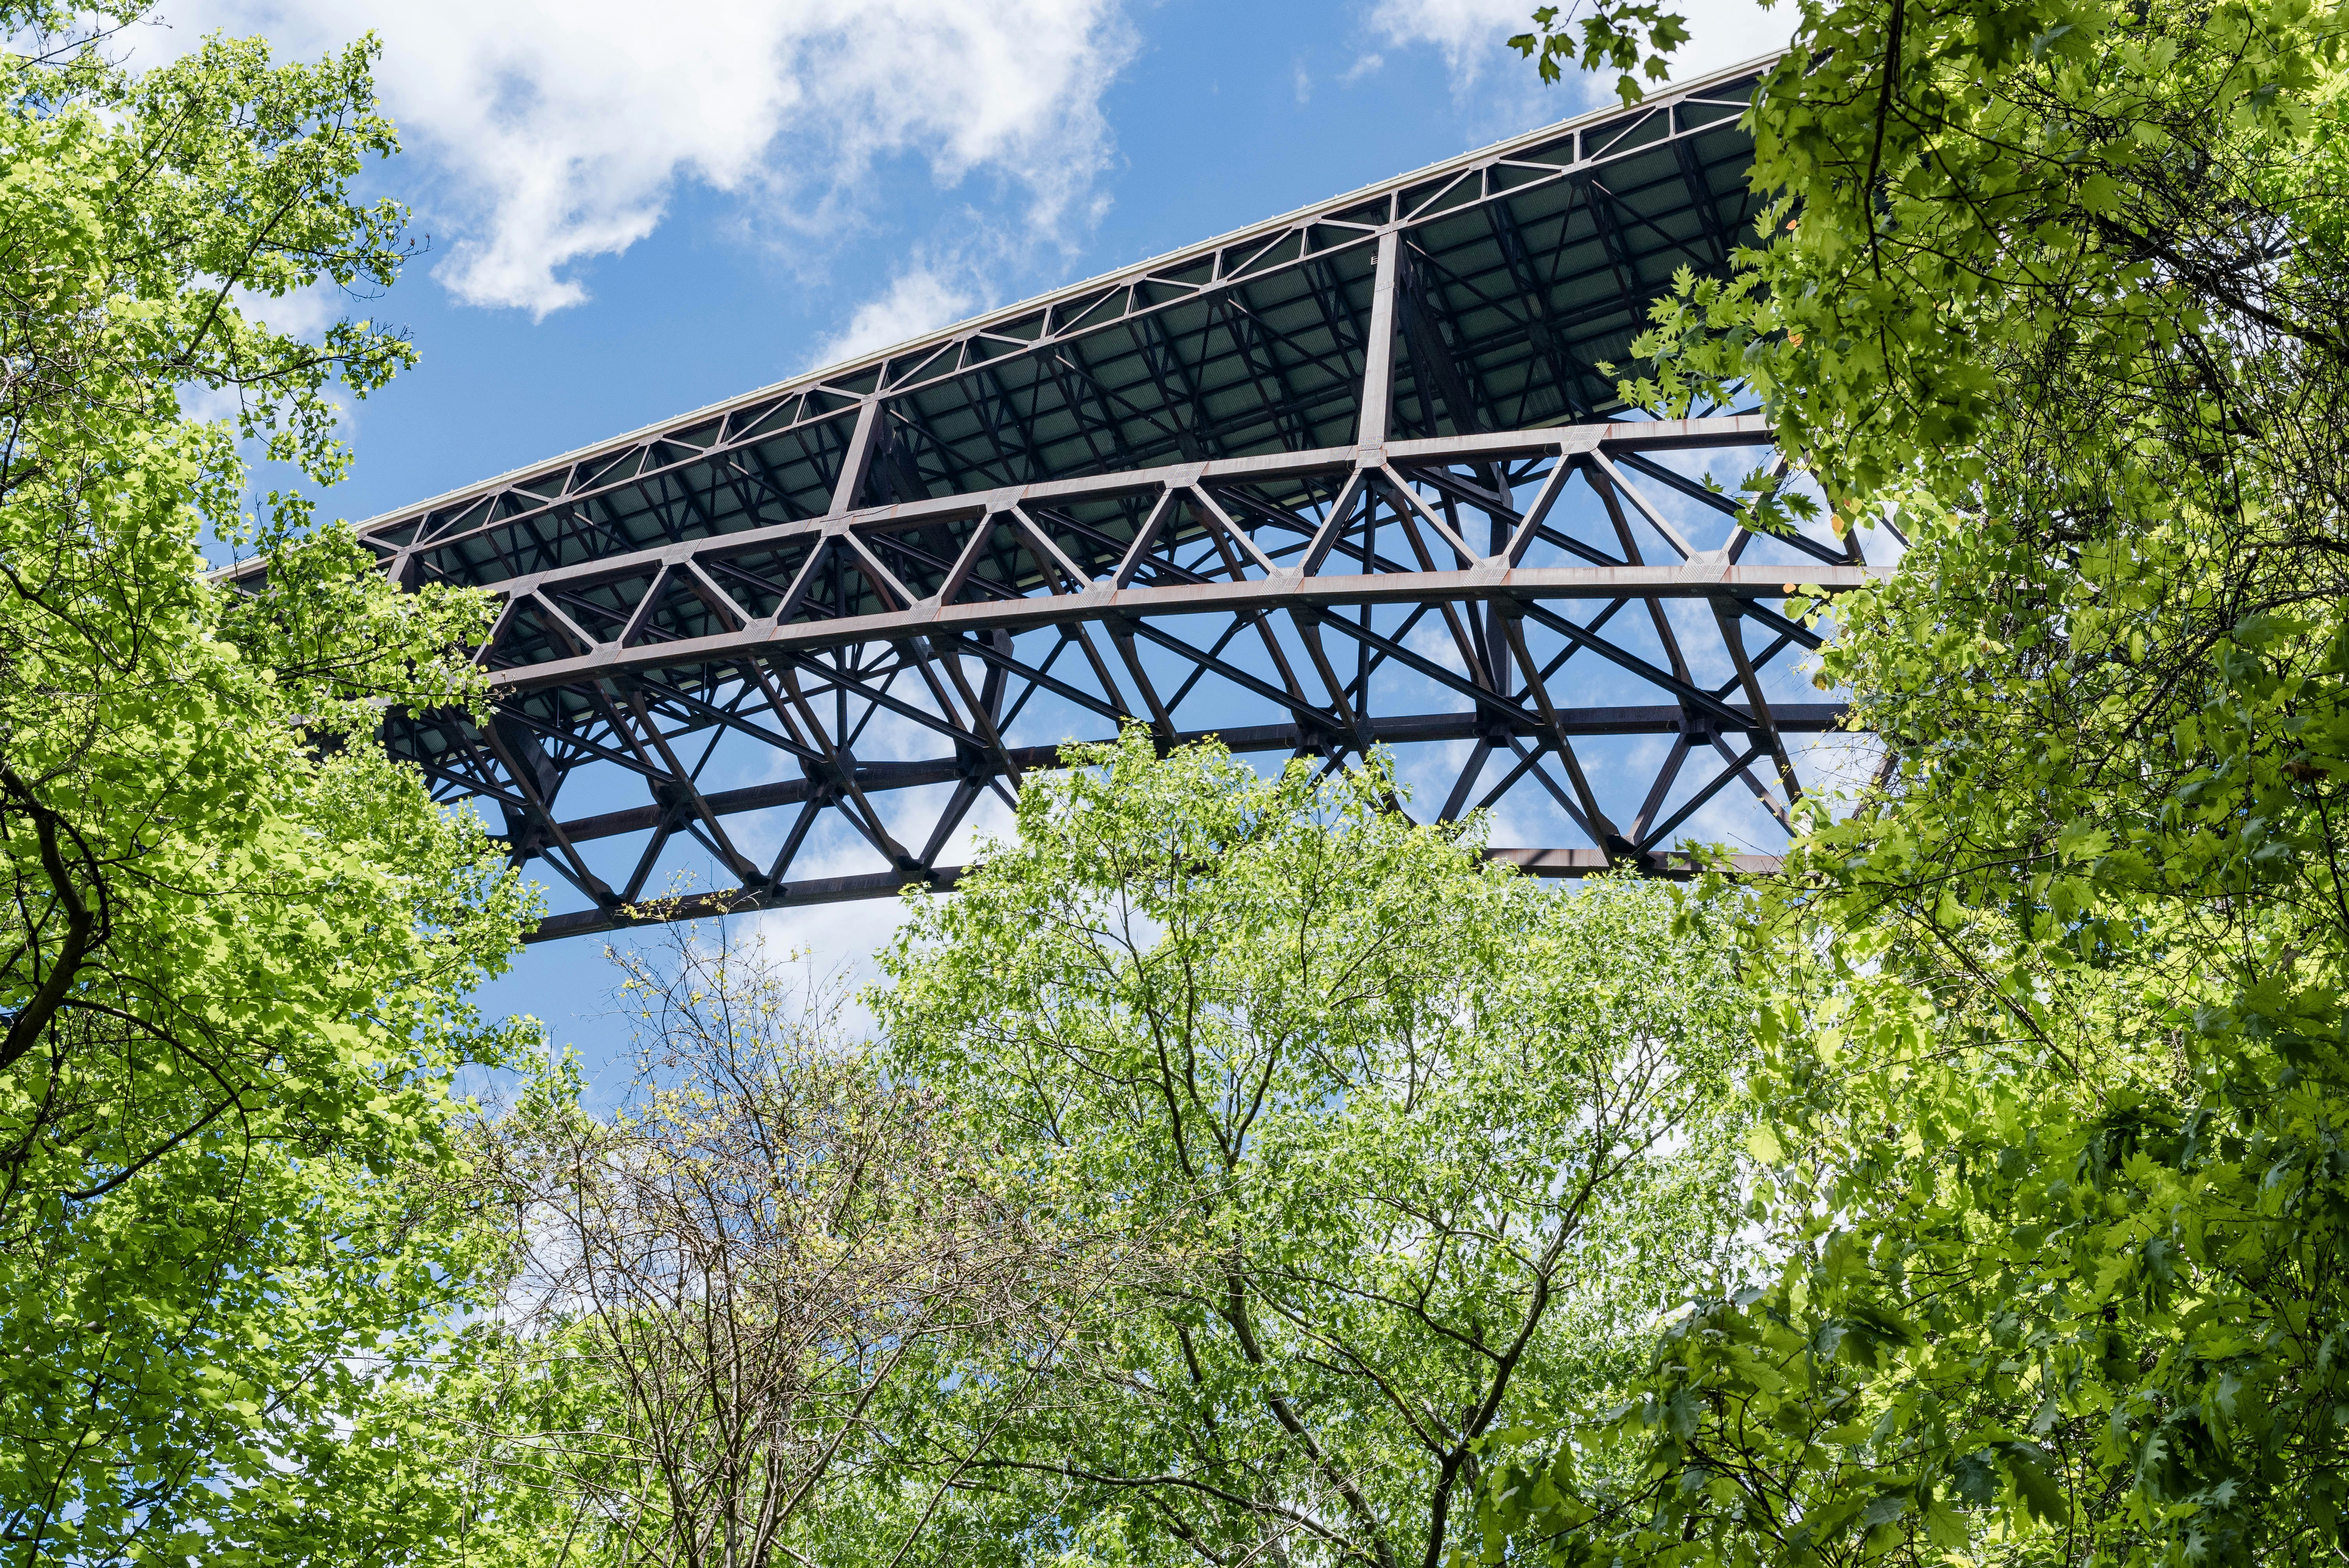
(2055, 1077)
(1416, 1149)
(236, 949)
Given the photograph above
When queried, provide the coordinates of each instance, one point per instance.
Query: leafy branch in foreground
(1621, 35)
(236, 951)
(2057, 1062)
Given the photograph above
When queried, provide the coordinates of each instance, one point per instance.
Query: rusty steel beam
(1343, 481)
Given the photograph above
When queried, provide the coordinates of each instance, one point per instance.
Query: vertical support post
(1496, 640)
(859, 459)
(1378, 351)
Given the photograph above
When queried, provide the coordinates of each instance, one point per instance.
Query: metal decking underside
(1346, 478)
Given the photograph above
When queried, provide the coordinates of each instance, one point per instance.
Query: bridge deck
(1349, 478)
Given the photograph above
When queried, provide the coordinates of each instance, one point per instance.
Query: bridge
(1353, 477)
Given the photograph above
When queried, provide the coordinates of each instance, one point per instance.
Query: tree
(233, 974)
(1421, 1150)
(2054, 1061)
(1614, 36)
(712, 1294)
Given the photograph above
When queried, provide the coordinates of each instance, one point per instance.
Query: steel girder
(1181, 597)
(1338, 482)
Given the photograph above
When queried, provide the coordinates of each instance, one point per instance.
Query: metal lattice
(1344, 480)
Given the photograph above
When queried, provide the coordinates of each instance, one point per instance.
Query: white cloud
(560, 128)
(1729, 32)
(1472, 35)
(1468, 31)
(916, 301)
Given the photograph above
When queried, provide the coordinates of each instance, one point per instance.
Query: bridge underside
(1345, 480)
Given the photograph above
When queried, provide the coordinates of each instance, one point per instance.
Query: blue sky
(636, 210)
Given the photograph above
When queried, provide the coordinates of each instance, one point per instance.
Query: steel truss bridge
(1350, 478)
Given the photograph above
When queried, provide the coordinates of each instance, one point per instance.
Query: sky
(633, 211)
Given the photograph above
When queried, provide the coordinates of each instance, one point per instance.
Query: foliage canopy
(1419, 1151)
(2054, 1075)
(237, 950)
